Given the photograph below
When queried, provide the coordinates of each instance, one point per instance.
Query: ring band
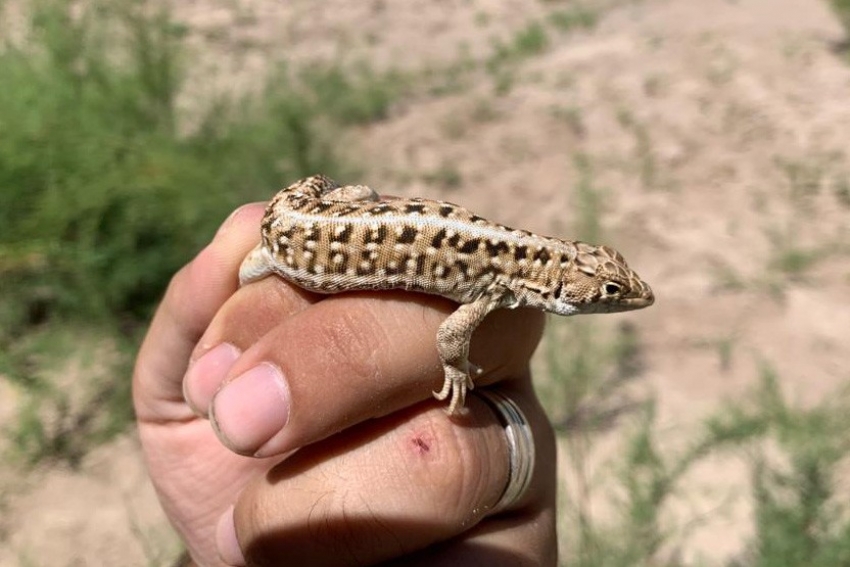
(520, 447)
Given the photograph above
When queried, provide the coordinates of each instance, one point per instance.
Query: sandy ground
(718, 134)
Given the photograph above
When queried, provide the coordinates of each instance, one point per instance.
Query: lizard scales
(329, 238)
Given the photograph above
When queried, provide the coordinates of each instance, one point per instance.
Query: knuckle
(453, 462)
(350, 340)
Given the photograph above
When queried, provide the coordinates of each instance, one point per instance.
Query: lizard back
(330, 245)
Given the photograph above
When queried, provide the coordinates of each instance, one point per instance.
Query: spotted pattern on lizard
(329, 238)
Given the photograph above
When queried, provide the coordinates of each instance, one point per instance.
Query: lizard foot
(457, 383)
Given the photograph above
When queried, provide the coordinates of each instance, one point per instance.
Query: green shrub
(101, 199)
(842, 10)
(354, 98)
(526, 42)
(106, 189)
(575, 17)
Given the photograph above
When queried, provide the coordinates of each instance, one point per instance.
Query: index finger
(192, 299)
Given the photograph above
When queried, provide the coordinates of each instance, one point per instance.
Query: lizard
(329, 238)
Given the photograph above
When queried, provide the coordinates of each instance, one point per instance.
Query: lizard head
(600, 281)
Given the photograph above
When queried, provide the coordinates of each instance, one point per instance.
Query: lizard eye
(612, 288)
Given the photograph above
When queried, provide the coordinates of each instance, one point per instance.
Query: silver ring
(520, 447)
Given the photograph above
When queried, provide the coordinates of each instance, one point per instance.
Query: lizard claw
(455, 386)
(457, 391)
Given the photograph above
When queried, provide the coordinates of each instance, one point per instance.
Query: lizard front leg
(453, 339)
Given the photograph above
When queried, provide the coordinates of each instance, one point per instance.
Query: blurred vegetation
(106, 189)
(574, 17)
(629, 507)
(795, 457)
(842, 11)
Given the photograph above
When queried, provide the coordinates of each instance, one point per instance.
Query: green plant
(645, 479)
(484, 111)
(585, 385)
(804, 178)
(353, 96)
(576, 17)
(801, 515)
(790, 259)
(448, 79)
(645, 153)
(586, 393)
(107, 188)
(572, 117)
(101, 194)
(69, 396)
(530, 40)
(842, 11)
(842, 190)
(503, 62)
(589, 201)
(795, 455)
(725, 349)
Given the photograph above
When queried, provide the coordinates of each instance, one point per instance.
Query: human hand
(381, 472)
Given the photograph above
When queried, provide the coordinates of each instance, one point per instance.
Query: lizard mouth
(644, 299)
(638, 302)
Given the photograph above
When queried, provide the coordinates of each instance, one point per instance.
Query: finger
(248, 315)
(193, 296)
(526, 538)
(525, 533)
(345, 359)
(383, 489)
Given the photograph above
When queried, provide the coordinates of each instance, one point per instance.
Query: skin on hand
(380, 473)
